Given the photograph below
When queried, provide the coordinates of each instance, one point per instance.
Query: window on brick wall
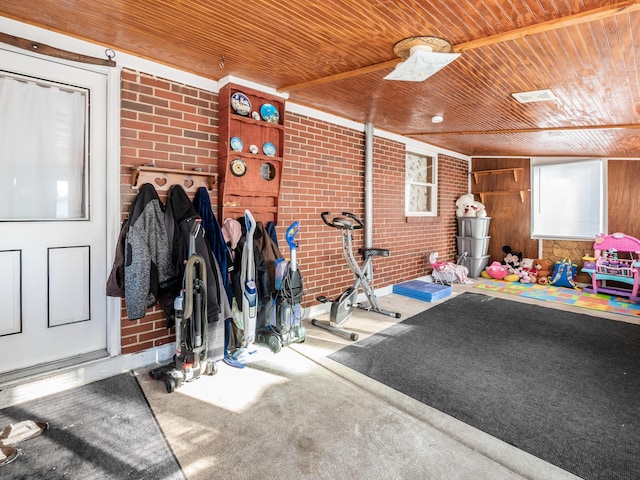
(421, 184)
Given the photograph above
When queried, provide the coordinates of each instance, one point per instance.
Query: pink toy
(608, 265)
(497, 270)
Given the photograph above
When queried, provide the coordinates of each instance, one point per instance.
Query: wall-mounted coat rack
(163, 178)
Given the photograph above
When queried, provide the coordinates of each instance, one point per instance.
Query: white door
(52, 213)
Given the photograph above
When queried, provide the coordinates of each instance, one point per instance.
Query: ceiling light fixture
(424, 57)
(437, 119)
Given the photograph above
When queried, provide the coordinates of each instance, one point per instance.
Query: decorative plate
(253, 149)
(238, 167)
(269, 113)
(240, 103)
(269, 149)
(236, 144)
(255, 115)
(268, 171)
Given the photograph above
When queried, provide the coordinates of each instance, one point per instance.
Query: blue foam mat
(420, 290)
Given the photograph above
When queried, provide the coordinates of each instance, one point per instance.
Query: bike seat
(370, 252)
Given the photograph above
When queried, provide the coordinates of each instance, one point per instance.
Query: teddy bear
(466, 206)
(525, 272)
(541, 271)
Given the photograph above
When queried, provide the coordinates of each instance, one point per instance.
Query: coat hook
(221, 61)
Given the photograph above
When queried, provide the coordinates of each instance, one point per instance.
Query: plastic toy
(610, 265)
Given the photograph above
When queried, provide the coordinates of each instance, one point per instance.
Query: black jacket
(179, 217)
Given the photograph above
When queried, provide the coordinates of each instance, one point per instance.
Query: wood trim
(342, 75)
(627, 126)
(43, 49)
(600, 13)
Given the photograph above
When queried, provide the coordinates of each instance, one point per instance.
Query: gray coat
(147, 266)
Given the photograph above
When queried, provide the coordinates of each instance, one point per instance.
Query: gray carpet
(564, 387)
(103, 430)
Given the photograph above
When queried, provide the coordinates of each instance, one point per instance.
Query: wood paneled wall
(511, 218)
(624, 196)
(510, 213)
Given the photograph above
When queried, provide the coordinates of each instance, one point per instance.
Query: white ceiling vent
(534, 96)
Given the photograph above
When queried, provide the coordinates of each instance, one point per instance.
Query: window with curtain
(568, 199)
(43, 145)
(420, 185)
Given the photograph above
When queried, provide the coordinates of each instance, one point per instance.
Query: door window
(43, 159)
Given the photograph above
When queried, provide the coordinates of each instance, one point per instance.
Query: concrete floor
(299, 415)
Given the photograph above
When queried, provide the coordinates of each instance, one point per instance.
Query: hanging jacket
(179, 216)
(147, 265)
(115, 282)
(202, 204)
(271, 230)
(270, 252)
(231, 233)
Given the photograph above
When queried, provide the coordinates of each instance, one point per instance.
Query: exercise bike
(342, 307)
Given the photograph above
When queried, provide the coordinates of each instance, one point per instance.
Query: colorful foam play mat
(569, 296)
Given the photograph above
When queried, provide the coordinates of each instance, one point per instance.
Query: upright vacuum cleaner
(288, 327)
(249, 293)
(190, 360)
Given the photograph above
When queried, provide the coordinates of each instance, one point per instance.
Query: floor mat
(561, 386)
(567, 296)
(102, 430)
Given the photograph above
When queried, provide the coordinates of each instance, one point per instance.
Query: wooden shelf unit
(258, 189)
(504, 192)
(513, 170)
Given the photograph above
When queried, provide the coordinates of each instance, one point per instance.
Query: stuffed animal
(466, 206)
(496, 270)
(541, 271)
(512, 259)
(526, 267)
(526, 264)
(525, 277)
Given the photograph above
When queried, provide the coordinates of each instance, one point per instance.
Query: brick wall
(170, 125)
(175, 126)
(324, 171)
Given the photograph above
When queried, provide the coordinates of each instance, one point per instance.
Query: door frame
(114, 332)
(112, 214)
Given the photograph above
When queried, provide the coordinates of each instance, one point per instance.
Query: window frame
(433, 186)
(543, 232)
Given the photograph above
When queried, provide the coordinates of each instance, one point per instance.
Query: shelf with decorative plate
(250, 155)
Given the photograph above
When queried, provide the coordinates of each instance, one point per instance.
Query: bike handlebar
(343, 222)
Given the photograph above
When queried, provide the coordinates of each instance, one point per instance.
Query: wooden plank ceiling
(585, 51)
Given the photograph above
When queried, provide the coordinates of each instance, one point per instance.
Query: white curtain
(42, 151)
